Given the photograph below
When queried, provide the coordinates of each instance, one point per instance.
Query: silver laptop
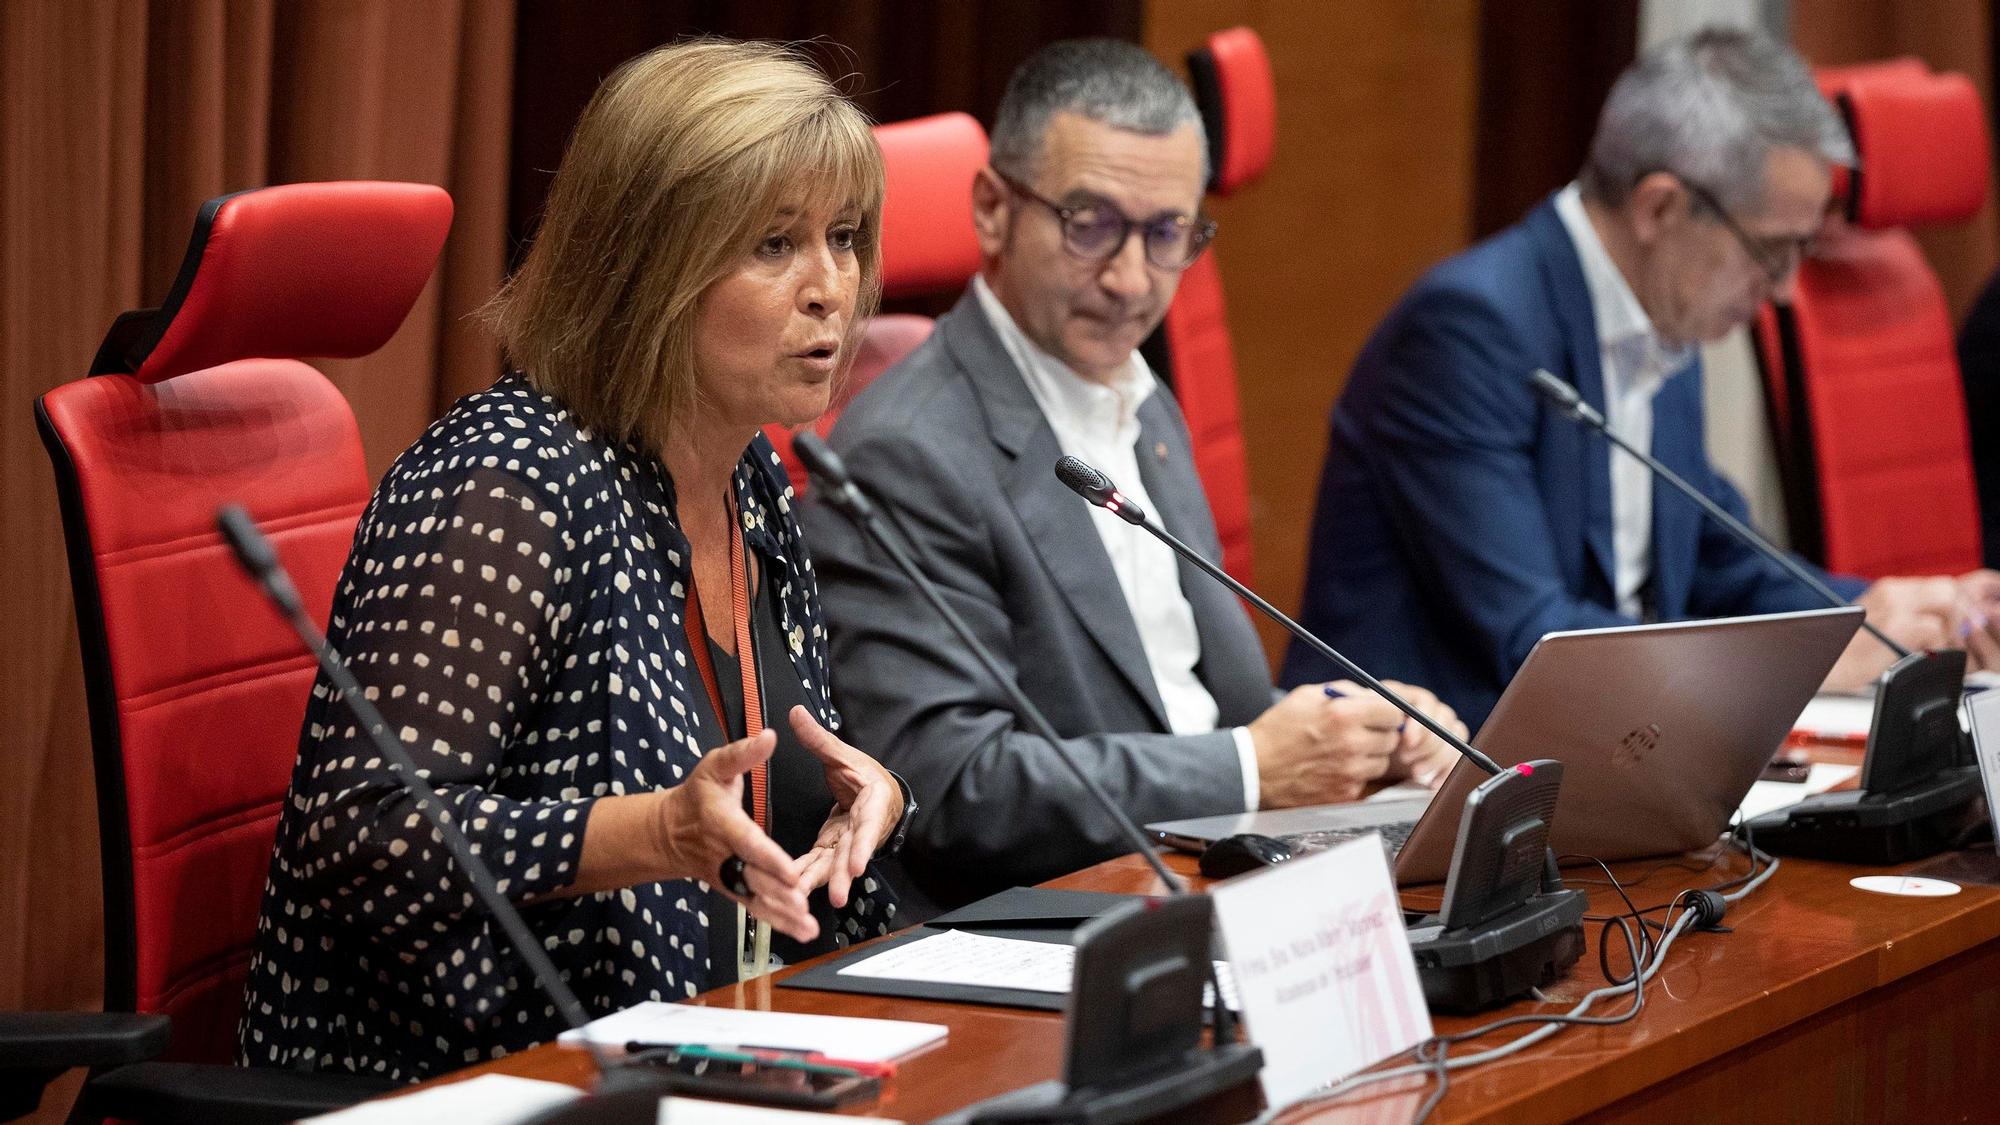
(1661, 730)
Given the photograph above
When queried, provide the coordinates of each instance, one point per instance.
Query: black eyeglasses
(1097, 232)
(1776, 256)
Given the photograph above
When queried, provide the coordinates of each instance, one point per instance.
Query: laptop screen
(1983, 708)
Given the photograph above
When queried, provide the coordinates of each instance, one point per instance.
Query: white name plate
(1322, 966)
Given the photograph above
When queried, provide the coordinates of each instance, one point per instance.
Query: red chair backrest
(928, 247)
(1868, 405)
(197, 690)
(1232, 84)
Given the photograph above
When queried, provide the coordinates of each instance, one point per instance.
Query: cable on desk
(1762, 865)
(1442, 1068)
(1433, 1056)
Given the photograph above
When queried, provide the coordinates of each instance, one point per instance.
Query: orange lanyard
(746, 662)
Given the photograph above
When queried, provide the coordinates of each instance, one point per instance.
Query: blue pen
(1335, 693)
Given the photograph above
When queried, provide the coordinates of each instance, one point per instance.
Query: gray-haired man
(1152, 674)
(1460, 519)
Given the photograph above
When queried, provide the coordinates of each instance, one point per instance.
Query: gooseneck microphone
(1097, 488)
(840, 490)
(1569, 402)
(260, 560)
(1917, 777)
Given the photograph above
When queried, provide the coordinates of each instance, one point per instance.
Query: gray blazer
(951, 442)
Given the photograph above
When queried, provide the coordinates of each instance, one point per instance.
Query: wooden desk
(1825, 1004)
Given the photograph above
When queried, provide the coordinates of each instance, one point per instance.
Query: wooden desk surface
(1825, 1003)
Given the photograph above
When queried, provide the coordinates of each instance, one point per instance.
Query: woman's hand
(867, 803)
(701, 823)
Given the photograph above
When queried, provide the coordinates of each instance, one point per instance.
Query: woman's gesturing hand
(867, 803)
(702, 825)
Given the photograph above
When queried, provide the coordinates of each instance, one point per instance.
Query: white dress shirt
(1635, 362)
(1099, 422)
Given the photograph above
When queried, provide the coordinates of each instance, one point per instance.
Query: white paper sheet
(982, 961)
(693, 1111)
(1836, 718)
(490, 1099)
(1770, 796)
(844, 1036)
(1402, 791)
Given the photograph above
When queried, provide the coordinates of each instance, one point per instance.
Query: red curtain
(117, 119)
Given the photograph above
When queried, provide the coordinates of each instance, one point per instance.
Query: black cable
(1643, 950)
(1745, 840)
(1681, 862)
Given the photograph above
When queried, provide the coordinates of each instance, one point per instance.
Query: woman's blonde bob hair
(677, 168)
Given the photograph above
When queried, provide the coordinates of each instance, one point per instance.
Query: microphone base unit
(1506, 924)
(1203, 1075)
(1920, 791)
(1134, 1021)
(1877, 828)
(1474, 968)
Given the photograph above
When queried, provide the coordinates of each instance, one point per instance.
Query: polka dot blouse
(513, 606)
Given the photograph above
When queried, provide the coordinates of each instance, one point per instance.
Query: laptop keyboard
(1393, 837)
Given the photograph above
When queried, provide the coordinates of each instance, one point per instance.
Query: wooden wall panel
(1370, 185)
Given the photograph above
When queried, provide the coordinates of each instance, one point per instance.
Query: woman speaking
(581, 596)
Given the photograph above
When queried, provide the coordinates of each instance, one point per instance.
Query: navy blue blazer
(1461, 518)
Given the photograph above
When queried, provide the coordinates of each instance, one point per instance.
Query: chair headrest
(1232, 82)
(1921, 141)
(325, 270)
(928, 244)
(1834, 79)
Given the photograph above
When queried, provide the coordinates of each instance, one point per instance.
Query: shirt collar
(1622, 324)
(1068, 399)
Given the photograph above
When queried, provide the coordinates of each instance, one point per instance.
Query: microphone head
(819, 459)
(1561, 394)
(836, 487)
(1080, 478)
(1097, 488)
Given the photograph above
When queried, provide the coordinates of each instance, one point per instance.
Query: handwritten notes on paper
(1322, 966)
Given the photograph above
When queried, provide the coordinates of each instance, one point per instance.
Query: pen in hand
(1332, 692)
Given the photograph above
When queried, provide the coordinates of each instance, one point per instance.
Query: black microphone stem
(1471, 752)
(1570, 402)
(257, 556)
(1039, 723)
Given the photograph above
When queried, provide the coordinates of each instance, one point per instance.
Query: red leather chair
(1868, 408)
(1232, 84)
(196, 689)
(928, 247)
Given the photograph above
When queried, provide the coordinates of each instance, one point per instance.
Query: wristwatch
(894, 844)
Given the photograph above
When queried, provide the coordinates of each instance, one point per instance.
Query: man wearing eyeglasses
(1461, 518)
(1086, 217)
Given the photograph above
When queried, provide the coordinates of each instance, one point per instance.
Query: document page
(847, 1037)
(978, 961)
(490, 1099)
